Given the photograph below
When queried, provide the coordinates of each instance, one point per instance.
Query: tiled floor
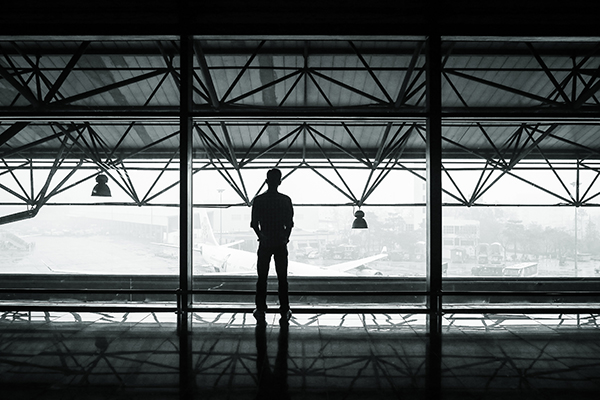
(327, 356)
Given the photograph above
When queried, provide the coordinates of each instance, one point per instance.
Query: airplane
(225, 259)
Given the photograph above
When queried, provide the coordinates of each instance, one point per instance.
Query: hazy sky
(307, 187)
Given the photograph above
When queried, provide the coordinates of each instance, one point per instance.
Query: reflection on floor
(353, 356)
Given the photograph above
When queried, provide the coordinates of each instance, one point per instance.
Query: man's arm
(254, 222)
(288, 232)
(290, 222)
(256, 230)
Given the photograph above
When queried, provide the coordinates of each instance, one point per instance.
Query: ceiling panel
(325, 77)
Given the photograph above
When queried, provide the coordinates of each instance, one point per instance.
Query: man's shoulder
(271, 195)
(285, 196)
(258, 197)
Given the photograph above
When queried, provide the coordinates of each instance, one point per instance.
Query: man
(272, 220)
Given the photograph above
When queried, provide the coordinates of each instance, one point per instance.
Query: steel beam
(549, 74)
(186, 217)
(371, 73)
(65, 72)
(213, 46)
(542, 100)
(214, 100)
(411, 68)
(112, 86)
(434, 214)
(434, 183)
(233, 113)
(185, 183)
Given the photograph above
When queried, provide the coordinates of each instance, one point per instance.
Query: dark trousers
(280, 255)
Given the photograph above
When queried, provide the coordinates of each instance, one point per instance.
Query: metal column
(434, 214)
(185, 218)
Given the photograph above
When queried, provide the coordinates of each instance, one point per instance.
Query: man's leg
(262, 267)
(281, 266)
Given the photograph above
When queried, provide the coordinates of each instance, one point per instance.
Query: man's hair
(274, 176)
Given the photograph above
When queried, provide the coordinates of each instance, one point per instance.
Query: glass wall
(54, 233)
(325, 253)
(520, 189)
(94, 223)
(520, 186)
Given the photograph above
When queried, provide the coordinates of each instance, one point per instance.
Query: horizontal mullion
(85, 291)
(523, 310)
(85, 308)
(316, 293)
(209, 291)
(522, 293)
(332, 309)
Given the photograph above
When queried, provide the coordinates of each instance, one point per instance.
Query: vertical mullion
(434, 213)
(434, 180)
(185, 216)
(185, 156)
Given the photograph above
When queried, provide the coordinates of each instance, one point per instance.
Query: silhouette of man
(272, 220)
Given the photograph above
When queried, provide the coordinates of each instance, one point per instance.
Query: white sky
(307, 187)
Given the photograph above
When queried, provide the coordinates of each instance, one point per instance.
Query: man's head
(273, 177)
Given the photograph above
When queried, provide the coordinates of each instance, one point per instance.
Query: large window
(522, 186)
(58, 235)
(345, 122)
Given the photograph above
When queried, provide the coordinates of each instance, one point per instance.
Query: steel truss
(523, 148)
(140, 78)
(32, 181)
(290, 75)
(543, 75)
(311, 104)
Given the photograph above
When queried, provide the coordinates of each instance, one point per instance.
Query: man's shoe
(259, 315)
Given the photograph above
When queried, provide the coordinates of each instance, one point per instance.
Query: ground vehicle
(522, 269)
(488, 270)
(496, 253)
(482, 253)
(346, 252)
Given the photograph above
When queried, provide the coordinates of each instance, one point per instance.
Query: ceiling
(342, 97)
(101, 83)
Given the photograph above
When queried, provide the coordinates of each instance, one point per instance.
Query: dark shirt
(273, 217)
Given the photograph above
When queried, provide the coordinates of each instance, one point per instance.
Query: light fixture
(101, 188)
(359, 221)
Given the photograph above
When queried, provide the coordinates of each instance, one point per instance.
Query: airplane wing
(346, 266)
(174, 246)
(302, 269)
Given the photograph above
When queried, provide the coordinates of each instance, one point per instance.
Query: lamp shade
(101, 188)
(359, 221)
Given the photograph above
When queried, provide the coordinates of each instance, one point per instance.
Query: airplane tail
(207, 235)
